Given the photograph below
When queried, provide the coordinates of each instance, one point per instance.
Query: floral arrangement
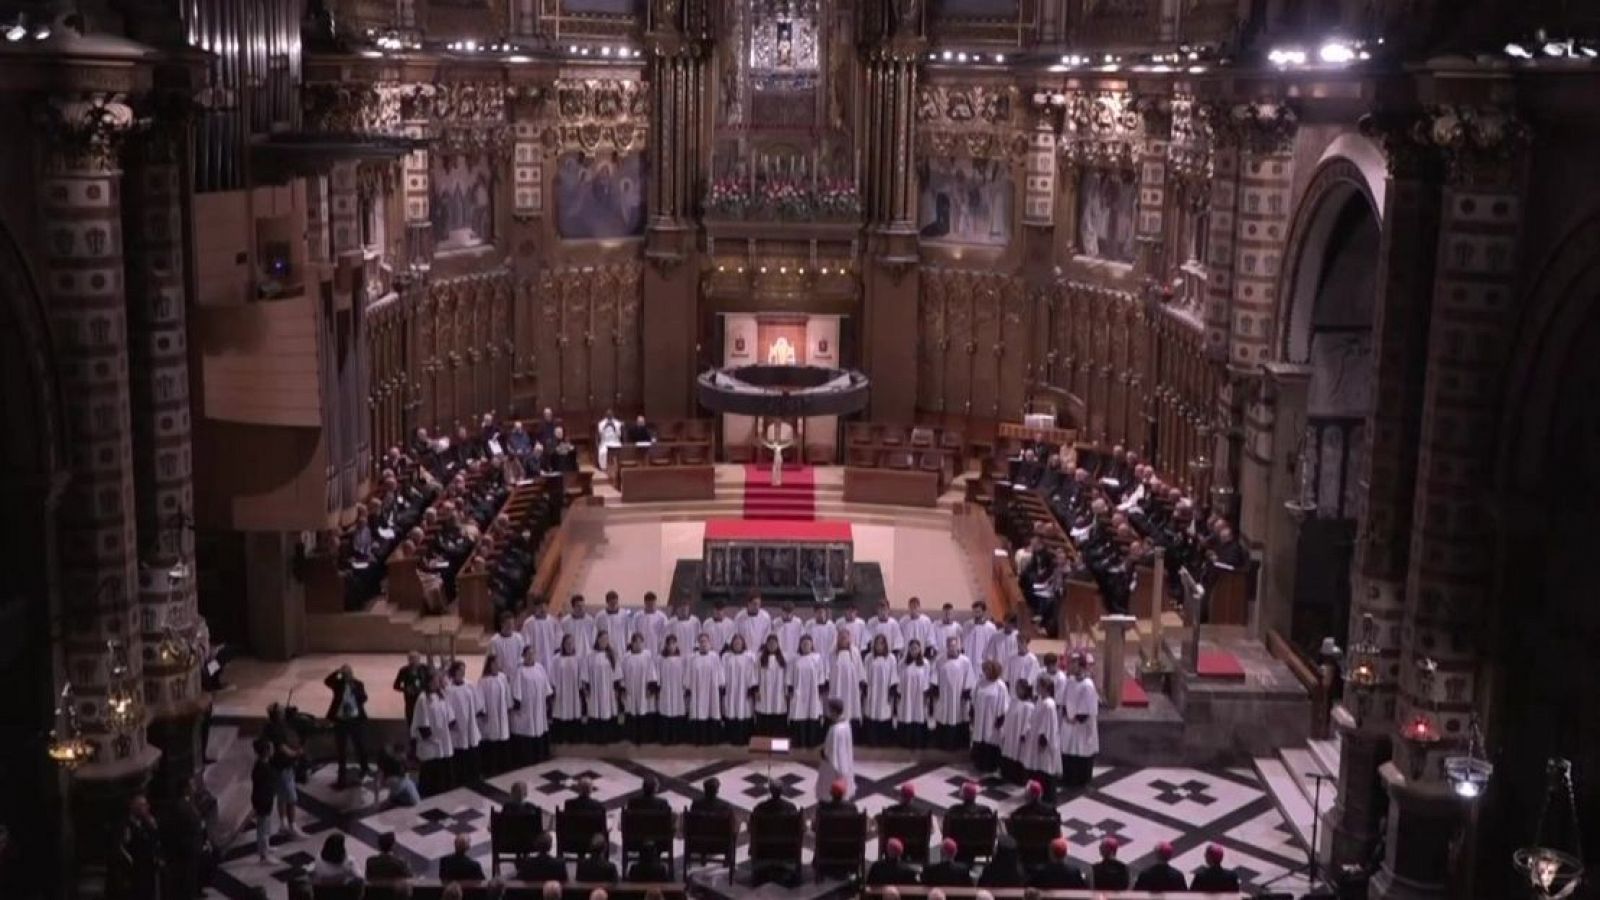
(728, 197)
(786, 197)
(838, 198)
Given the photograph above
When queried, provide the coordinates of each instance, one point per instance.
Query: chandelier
(1361, 671)
(1552, 872)
(68, 748)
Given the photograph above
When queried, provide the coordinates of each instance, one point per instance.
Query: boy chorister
(705, 693)
(672, 694)
(808, 679)
(638, 701)
(738, 693)
(989, 703)
(530, 710)
(431, 723)
(882, 690)
(494, 693)
(911, 702)
(954, 683)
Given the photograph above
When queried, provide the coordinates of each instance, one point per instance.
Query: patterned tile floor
(1142, 807)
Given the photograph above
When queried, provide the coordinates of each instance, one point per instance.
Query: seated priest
(608, 434)
(639, 432)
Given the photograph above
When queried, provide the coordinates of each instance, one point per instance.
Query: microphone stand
(1309, 868)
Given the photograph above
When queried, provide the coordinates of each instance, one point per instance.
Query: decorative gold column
(162, 464)
(679, 44)
(893, 41)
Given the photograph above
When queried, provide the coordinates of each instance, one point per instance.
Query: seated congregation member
(531, 694)
(1042, 754)
(638, 677)
(808, 684)
(949, 871)
(882, 688)
(566, 678)
(386, 865)
(1161, 875)
(541, 865)
(1057, 873)
(1004, 870)
(1110, 873)
(650, 866)
(563, 455)
(431, 729)
(467, 726)
(705, 683)
(710, 798)
(911, 700)
(892, 869)
(596, 865)
(672, 692)
(775, 807)
(333, 865)
(1213, 877)
(772, 702)
(989, 704)
(518, 805)
(458, 866)
(494, 690)
(953, 693)
(639, 432)
(738, 692)
(602, 674)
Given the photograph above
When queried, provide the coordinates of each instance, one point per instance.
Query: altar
(812, 558)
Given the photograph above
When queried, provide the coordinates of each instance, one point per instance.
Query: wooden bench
(710, 835)
(908, 487)
(669, 483)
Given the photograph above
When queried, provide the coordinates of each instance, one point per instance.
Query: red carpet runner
(795, 499)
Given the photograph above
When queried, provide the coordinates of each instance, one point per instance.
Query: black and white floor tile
(1191, 808)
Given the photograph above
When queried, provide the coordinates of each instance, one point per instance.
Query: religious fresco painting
(600, 195)
(461, 202)
(1106, 201)
(966, 201)
(975, 9)
(603, 7)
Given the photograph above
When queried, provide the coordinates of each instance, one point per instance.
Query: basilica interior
(337, 330)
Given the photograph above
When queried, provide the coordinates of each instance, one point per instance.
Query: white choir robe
(806, 675)
(653, 625)
(846, 674)
(465, 704)
(544, 636)
(608, 434)
(582, 631)
(883, 674)
(638, 672)
(1062, 680)
(989, 702)
(615, 625)
(434, 713)
(600, 676)
(824, 637)
(858, 631)
(921, 629)
(789, 631)
(567, 679)
(914, 683)
(686, 630)
(721, 631)
(1020, 667)
(507, 650)
(738, 676)
(531, 687)
(706, 681)
(944, 631)
(954, 678)
(838, 761)
(976, 642)
(1044, 722)
(1015, 729)
(1081, 739)
(672, 673)
(495, 694)
(889, 629)
(772, 682)
(1002, 647)
(753, 629)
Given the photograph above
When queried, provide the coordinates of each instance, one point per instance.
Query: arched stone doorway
(30, 476)
(1324, 393)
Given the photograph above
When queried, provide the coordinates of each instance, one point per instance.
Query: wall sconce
(1421, 732)
(1361, 672)
(68, 748)
(1469, 774)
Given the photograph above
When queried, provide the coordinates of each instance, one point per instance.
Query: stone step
(1327, 755)
(1302, 764)
(1286, 796)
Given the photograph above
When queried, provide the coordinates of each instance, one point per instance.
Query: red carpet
(1133, 694)
(1219, 664)
(796, 499)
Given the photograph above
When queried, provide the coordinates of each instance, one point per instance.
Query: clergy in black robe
(892, 869)
(949, 871)
(1160, 875)
(1110, 873)
(1213, 877)
(541, 866)
(1058, 873)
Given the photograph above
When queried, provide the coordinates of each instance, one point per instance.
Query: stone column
(894, 43)
(1450, 566)
(1264, 134)
(679, 45)
(162, 467)
(1155, 113)
(80, 219)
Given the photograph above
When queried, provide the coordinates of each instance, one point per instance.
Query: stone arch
(1336, 182)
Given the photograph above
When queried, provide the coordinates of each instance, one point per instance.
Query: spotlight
(1518, 51)
(1589, 52)
(961, 57)
(1336, 53)
(573, 49)
(999, 57)
(41, 33)
(1557, 48)
(605, 51)
(947, 56)
(16, 32)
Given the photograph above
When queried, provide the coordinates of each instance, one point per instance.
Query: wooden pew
(900, 487)
(918, 892)
(669, 483)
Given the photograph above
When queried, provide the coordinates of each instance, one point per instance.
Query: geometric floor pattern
(1140, 807)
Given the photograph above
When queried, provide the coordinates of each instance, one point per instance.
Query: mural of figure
(462, 202)
(966, 201)
(599, 196)
(1106, 215)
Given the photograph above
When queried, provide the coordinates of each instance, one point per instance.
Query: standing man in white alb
(608, 434)
(838, 754)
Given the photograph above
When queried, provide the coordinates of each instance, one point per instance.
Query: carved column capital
(1262, 127)
(86, 132)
